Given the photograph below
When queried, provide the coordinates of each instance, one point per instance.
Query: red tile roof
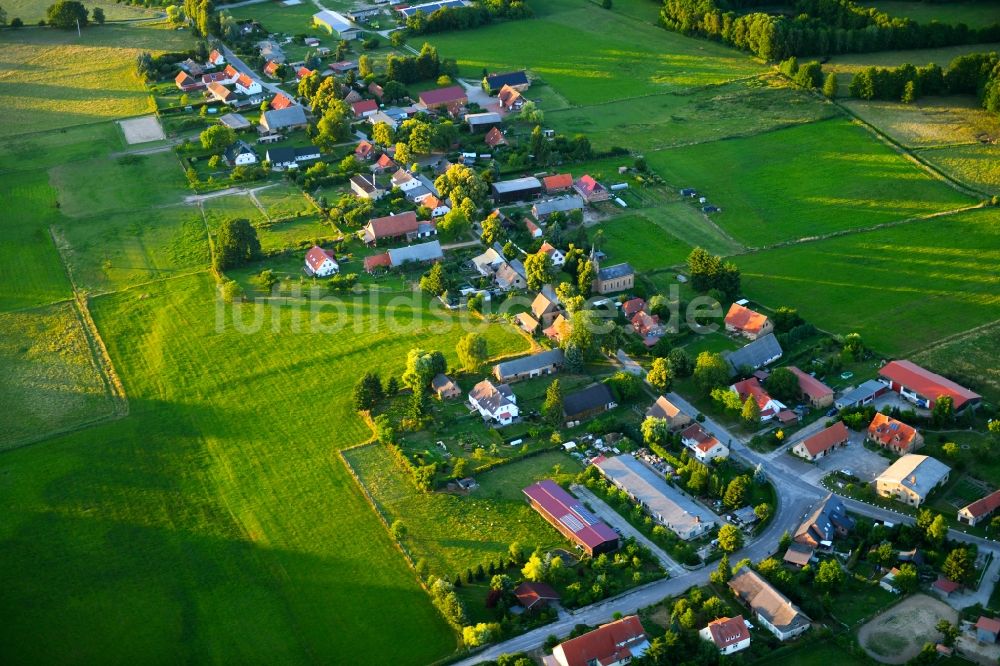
(702, 438)
(984, 506)
(377, 261)
(887, 431)
(363, 149)
(385, 161)
(528, 594)
(588, 185)
(989, 624)
(928, 384)
(214, 55)
(364, 106)
(393, 225)
(728, 631)
(532, 227)
(214, 77)
(231, 72)
(826, 438)
(745, 319)
(946, 586)
(440, 96)
(182, 79)
(631, 306)
(495, 138)
(643, 322)
(752, 387)
(303, 72)
(271, 67)
(280, 101)
(811, 386)
(607, 644)
(508, 96)
(375, 89)
(570, 513)
(317, 255)
(244, 80)
(562, 181)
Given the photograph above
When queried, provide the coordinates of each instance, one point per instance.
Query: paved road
(615, 519)
(242, 67)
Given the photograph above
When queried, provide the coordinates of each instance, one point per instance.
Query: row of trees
(813, 27)
(976, 73)
(425, 66)
(464, 18)
(202, 16)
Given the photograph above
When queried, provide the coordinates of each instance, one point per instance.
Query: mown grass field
(804, 181)
(972, 357)
(973, 14)
(294, 20)
(977, 165)
(53, 79)
(216, 521)
(231, 206)
(592, 55)
(51, 381)
(901, 287)
(658, 248)
(707, 113)
(456, 532)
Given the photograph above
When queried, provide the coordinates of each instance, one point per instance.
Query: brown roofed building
(923, 387)
(534, 596)
(495, 138)
(546, 307)
(822, 443)
(748, 323)
(773, 609)
(664, 409)
(364, 151)
(894, 435)
(377, 261)
(510, 99)
(816, 392)
(613, 644)
(384, 163)
(444, 387)
(390, 227)
(186, 83)
(443, 97)
(558, 183)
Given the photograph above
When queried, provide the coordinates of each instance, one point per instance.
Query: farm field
(262, 544)
(930, 121)
(973, 14)
(658, 247)
(30, 271)
(619, 49)
(706, 113)
(455, 532)
(753, 179)
(115, 251)
(294, 20)
(971, 358)
(62, 80)
(30, 11)
(39, 150)
(975, 164)
(51, 381)
(948, 283)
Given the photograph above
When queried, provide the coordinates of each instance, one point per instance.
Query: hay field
(977, 165)
(931, 121)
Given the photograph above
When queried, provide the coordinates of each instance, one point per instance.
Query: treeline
(813, 27)
(201, 14)
(464, 18)
(422, 67)
(973, 74)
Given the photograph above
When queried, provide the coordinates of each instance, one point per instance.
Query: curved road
(795, 497)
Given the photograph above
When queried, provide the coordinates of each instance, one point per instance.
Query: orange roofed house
(390, 227)
(979, 510)
(558, 183)
(823, 442)
(894, 435)
(613, 644)
(746, 322)
(281, 101)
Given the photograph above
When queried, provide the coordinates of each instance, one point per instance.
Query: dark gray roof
(311, 152)
(761, 351)
(586, 399)
(239, 148)
(616, 271)
(280, 155)
(495, 81)
(866, 390)
(529, 363)
(276, 119)
(560, 205)
(419, 252)
(517, 185)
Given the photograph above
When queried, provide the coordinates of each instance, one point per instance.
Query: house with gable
(729, 634)
(669, 412)
(980, 510)
(527, 367)
(495, 138)
(590, 189)
(748, 323)
(923, 387)
(751, 388)
(613, 644)
(911, 479)
(702, 444)
(546, 306)
(754, 355)
(240, 154)
(248, 86)
(281, 101)
(556, 255)
(216, 59)
(818, 394)
(894, 435)
(321, 263)
(187, 83)
(496, 404)
(827, 520)
(769, 606)
(822, 443)
(493, 83)
(390, 228)
(511, 100)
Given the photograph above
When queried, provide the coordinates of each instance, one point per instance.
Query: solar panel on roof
(590, 518)
(572, 522)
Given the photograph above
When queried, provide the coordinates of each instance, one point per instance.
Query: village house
(751, 388)
(493, 83)
(862, 395)
(541, 210)
(614, 644)
(220, 93)
(911, 479)
(248, 86)
(303, 72)
(587, 403)
(894, 435)
(590, 189)
(923, 387)
(403, 226)
(823, 442)
(556, 255)
(444, 387)
(418, 253)
(191, 67)
(364, 151)
(533, 229)
(827, 520)
(240, 154)
(383, 164)
(487, 263)
(186, 83)
(495, 138)
(321, 263)
(282, 159)
(647, 327)
(283, 120)
(281, 101)
(216, 59)
(366, 187)
(702, 444)
(271, 68)
(527, 367)
(364, 108)
(440, 98)
(730, 634)
(633, 306)
(987, 629)
(510, 275)
(748, 323)
(561, 182)
(754, 355)
(546, 306)
(535, 596)
(568, 515)
(559, 331)
(375, 90)
(665, 505)
(511, 100)
(769, 606)
(981, 509)
(404, 180)
(383, 117)
(818, 394)
(669, 412)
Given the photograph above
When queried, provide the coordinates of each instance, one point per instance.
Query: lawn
(295, 231)
(49, 149)
(30, 271)
(973, 14)
(118, 250)
(215, 522)
(591, 55)
(294, 20)
(931, 121)
(971, 358)
(976, 165)
(231, 207)
(644, 244)
(454, 532)
(53, 79)
(284, 201)
(902, 288)
(804, 181)
(707, 113)
(817, 654)
(51, 381)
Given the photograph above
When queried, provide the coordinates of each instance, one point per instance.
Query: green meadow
(972, 358)
(642, 242)
(901, 287)
(805, 181)
(972, 14)
(977, 165)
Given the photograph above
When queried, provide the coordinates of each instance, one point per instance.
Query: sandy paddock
(142, 130)
(898, 634)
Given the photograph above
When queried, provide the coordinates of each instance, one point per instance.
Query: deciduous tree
(730, 538)
(472, 351)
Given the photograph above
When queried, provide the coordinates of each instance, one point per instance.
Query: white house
(248, 86)
(557, 256)
(240, 154)
(215, 58)
(320, 262)
(405, 181)
(702, 444)
(730, 634)
(496, 404)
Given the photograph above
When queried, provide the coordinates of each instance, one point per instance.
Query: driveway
(477, 95)
(615, 519)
